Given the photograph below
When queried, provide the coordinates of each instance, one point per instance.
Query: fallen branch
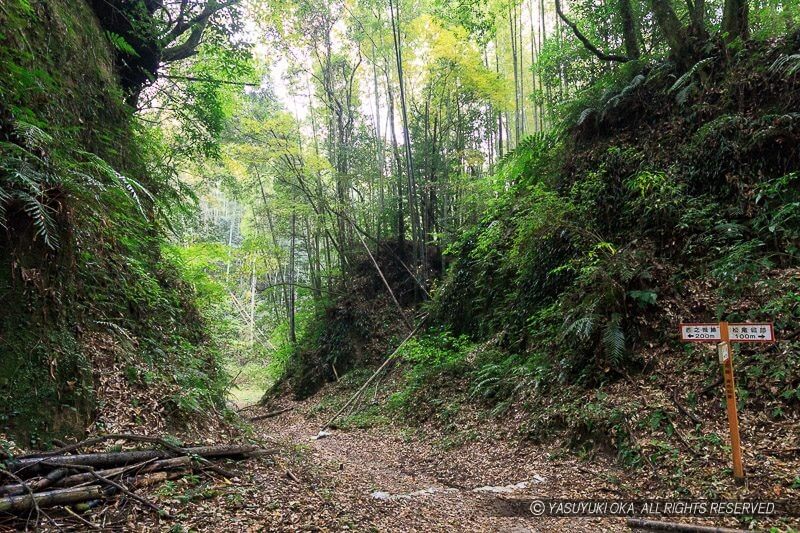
(125, 490)
(683, 409)
(155, 477)
(652, 525)
(140, 468)
(372, 377)
(784, 451)
(81, 519)
(682, 439)
(34, 465)
(93, 483)
(271, 414)
(35, 485)
(386, 283)
(708, 389)
(33, 504)
(50, 498)
(102, 438)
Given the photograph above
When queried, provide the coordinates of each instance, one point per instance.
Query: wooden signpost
(724, 334)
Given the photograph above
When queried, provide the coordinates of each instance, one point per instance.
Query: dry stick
(714, 385)
(141, 468)
(366, 383)
(784, 451)
(214, 468)
(683, 409)
(153, 478)
(85, 522)
(681, 438)
(388, 288)
(96, 440)
(130, 494)
(34, 503)
(377, 387)
(123, 458)
(652, 525)
(50, 498)
(386, 246)
(271, 414)
(124, 490)
(36, 485)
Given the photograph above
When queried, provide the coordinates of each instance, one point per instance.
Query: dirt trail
(394, 479)
(390, 480)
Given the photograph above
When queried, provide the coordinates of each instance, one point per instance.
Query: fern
(614, 340)
(786, 65)
(683, 95)
(659, 72)
(33, 137)
(585, 114)
(687, 80)
(582, 328)
(116, 329)
(5, 196)
(133, 188)
(43, 221)
(34, 167)
(121, 44)
(620, 97)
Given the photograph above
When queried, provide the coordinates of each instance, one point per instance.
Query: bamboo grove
(383, 121)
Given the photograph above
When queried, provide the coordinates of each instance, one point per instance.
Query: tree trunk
(499, 113)
(292, 292)
(512, 21)
(401, 228)
(521, 74)
(379, 146)
(674, 33)
(735, 20)
(252, 303)
(412, 206)
(629, 33)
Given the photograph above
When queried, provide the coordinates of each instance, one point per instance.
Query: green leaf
(121, 44)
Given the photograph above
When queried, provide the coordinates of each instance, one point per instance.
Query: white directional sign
(724, 334)
(701, 332)
(751, 332)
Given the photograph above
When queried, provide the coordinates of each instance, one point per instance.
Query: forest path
(397, 480)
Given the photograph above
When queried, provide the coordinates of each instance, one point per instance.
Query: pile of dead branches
(80, 481)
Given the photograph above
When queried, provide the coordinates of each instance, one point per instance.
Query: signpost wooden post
(724, 334)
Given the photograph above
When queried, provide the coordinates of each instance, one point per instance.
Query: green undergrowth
(607, 237)
(84, 285)
(564, 299)
(348, 332)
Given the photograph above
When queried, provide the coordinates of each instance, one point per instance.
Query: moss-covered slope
(80, 258)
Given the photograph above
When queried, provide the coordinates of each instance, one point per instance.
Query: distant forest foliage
(204, 191)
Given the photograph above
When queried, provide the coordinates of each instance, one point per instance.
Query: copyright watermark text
(643, 508)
